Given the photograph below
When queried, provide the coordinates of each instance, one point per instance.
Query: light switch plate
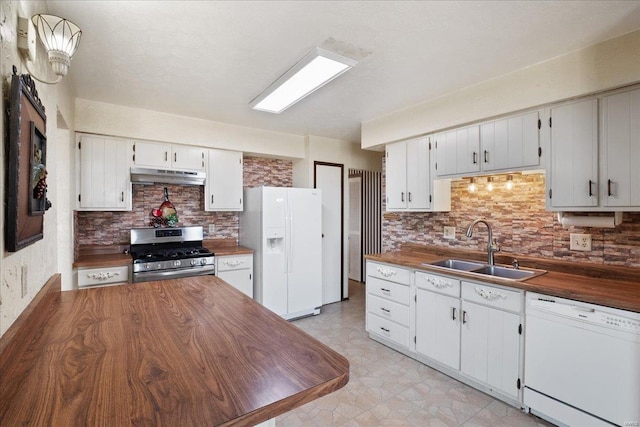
(580, 242)
(212, 228)
(449, 233)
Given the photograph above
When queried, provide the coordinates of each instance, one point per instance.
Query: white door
(355, 228)
(328, 178)
(304, 251)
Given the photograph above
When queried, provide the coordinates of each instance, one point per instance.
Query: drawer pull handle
(385, 290)
(490, 294)
(104, 275)
(385, 329)
(386, 310)
(386, 272)
(453, 313)
(438, 283)
(233, 262)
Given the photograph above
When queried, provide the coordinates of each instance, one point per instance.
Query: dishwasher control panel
(621, 322)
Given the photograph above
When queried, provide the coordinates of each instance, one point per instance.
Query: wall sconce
(472, 185)
(59, 36)
(509, 184)
(489, 183)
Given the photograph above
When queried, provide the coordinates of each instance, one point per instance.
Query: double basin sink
(486, 270)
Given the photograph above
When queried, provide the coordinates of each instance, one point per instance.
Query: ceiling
(209, 59)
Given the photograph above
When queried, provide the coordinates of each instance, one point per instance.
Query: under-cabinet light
(489, 183)
(509, 184)
(472, 185)
(316, 69)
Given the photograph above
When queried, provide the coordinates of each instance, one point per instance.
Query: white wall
(607, 65)
(41, 258)
(127, 122)
(336, 151)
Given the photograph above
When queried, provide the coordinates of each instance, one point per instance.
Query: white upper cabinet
(103, 173)
(458, 151)
(573, 180)
(409, 186)
(620, 149)
(511, 143)
(223, 186)
(168, 156)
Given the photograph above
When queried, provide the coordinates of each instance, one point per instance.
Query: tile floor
(387, 388)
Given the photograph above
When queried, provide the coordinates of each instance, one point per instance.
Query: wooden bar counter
(182, 352)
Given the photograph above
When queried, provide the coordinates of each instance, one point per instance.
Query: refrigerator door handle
(288, 236)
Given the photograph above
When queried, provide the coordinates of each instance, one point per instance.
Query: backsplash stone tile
(112, 228)
(520, 223)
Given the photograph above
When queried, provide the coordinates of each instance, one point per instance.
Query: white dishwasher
(582, 362)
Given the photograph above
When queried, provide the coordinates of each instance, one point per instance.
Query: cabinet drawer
(436, 283)
(389, 272)
(388, 290)
(492, 296)
(388, 329)
(102, 276)
(388, 309)
(235, 262)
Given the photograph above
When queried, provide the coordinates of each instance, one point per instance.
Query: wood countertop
(617, 287)
(98, 256)
(181, 352)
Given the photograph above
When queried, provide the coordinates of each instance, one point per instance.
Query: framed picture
(26, 178)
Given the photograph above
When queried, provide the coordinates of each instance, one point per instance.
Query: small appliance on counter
(169, 253)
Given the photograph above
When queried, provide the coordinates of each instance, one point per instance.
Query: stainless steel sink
(457, 264)
(486, 270)
(504, 272)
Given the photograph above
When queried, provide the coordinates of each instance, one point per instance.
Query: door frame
(360, 258)
(315, 183)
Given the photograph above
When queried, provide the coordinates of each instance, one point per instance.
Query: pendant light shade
(61, 39)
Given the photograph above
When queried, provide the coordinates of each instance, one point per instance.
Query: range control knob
(177, 263)
(203, 261)
(193, 262)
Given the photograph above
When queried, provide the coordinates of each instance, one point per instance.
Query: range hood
(163, 176)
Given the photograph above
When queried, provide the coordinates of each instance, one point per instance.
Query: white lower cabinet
(438, 318)
(236, 270)
(389, 304)
(491, 339)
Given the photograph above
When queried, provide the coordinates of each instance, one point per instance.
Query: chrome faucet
(492, 245)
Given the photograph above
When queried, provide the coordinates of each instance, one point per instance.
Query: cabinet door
(468, 150)
(396, 175)
(574, 155)
(186, 157)
(446, 153)
(474, 341)
(620, 149)
(239, 279)
(438, 327)
(104, 182)
(510, 143)
(491, 346)
(152, 154)
(418, 174)
(224, 181)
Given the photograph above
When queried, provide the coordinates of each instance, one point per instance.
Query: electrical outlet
(449, 233)
(212, 228)
(580, 242)
(23, 281)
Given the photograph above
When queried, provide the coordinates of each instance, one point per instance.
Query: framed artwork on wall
(27, 156)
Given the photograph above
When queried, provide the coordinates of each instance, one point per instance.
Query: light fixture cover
(316, 69)
(60, 37)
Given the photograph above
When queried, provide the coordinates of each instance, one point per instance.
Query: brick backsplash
(112, 228)
(520, 223)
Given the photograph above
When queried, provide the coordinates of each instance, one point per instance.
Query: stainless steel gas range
(169, 253)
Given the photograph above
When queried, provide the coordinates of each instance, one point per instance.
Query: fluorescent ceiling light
(315, 70)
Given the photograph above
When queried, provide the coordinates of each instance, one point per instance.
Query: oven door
(147, 276)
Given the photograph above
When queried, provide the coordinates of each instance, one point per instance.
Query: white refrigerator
(283, 226)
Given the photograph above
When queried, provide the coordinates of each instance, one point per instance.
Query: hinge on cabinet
(79, 197)
(520, 329)
(134, 157)
(429, 146)
(518, 383)
(134, 148)
(415, 340)
(550, 193)
(250, 276)
(539, 123)
(539, 151)
(80, 145)
(429, 198)
(549, 121)
(415, 298)
(436, 164)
